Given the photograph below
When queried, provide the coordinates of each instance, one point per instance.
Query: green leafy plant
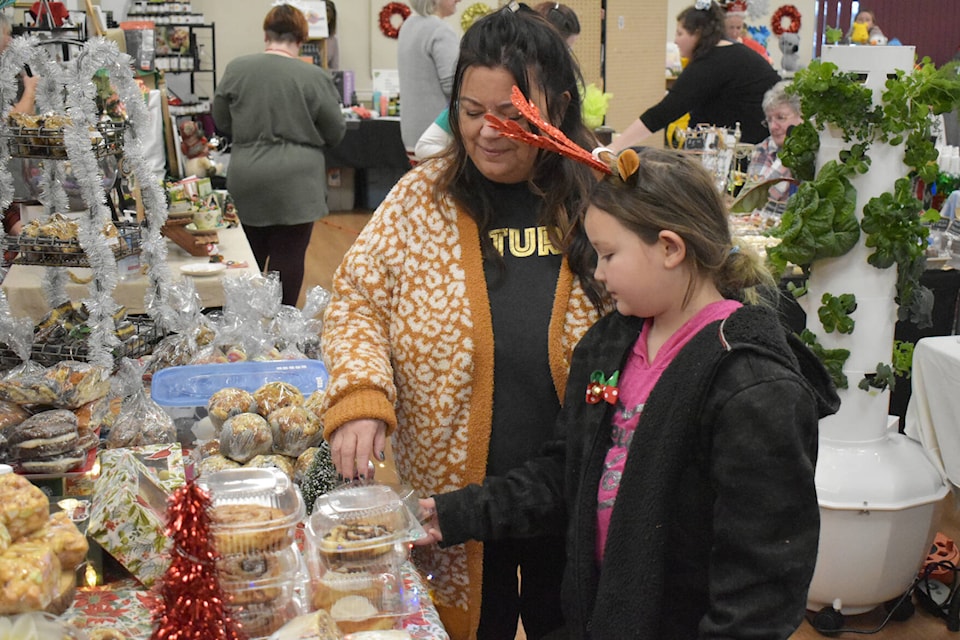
(831, 97)
(882, 379)
(819, 222)
(834, 312)
(833, 35)
(799, 152)
(832, 359)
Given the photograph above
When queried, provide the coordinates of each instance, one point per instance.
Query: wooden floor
(333, 235)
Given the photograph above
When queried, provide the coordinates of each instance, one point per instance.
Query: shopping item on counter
(141, 421)
(128, 510)
(66, 385)
(357, 539)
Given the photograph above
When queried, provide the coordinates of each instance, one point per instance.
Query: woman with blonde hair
(427, 49)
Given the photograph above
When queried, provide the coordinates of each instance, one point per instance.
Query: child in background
(684, 455)
(867, 32)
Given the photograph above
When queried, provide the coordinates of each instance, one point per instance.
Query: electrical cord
(923, 586)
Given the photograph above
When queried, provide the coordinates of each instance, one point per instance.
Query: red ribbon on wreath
(386, 18)
(786, 11)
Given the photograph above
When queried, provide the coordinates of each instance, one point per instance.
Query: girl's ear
(674, 248)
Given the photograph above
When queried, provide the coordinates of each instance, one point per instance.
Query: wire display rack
(54, 252)
(46, 142)
(140, 342)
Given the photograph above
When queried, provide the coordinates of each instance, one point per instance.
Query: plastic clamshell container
(192, 385)
(365, 517)
(254, 509)
(260, 576)
(357, 539)
(259, 619)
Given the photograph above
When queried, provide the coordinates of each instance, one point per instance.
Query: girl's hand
(431, 524)
(354, 445)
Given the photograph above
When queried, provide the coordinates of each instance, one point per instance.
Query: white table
(24, 290)
(933, 413)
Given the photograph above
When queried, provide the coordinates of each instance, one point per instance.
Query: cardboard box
(128, 514)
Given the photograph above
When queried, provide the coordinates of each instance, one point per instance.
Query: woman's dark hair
(560, 16)
(707, 24)
(285, 23)
(331, 17)
(524, 44)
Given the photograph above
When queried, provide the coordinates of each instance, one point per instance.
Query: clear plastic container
(254, 510)
(357, 539)
(260, 619)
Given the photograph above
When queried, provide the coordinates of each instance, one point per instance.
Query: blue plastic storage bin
(192, 385)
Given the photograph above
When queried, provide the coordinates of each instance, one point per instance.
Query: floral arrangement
(387, 13)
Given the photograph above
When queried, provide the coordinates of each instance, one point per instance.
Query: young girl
(684, 455)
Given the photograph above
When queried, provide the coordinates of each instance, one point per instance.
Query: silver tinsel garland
(68, 89)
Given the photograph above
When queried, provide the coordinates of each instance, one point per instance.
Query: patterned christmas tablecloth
(124, 607)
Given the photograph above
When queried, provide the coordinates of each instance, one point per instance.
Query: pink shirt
(637, 380)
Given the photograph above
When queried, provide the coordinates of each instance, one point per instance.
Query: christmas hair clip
(702, 5)
(553, 139)
(603, 388)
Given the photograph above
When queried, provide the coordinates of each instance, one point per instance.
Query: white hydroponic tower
(879, 494)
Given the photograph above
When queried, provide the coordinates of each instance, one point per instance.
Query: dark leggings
(285, 246)
(541, 562)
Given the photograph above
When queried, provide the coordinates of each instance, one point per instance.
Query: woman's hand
(430, 521)
(354, 445)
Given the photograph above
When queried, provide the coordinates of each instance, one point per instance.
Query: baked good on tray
(295, 429)
(245, 436)
(245, 528)
(228, 402)
(274, 395)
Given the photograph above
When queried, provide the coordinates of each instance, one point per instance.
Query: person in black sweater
(723, 83)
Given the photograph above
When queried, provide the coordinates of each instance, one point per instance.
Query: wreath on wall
(786, 11)
(390, 10)
(472, 13)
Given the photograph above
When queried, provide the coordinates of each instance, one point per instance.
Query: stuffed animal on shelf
(196, 151)
(860, 33)
(790, 46)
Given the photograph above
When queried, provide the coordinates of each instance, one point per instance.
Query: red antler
(554, 140)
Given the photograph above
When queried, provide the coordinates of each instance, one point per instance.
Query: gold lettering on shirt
(523, 243)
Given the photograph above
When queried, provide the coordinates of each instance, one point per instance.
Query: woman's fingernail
(382, 456)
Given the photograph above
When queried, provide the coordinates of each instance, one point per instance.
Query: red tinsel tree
(190, 600)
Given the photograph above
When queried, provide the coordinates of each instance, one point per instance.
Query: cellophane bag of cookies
(141, 420)
(17, 333)
(315, 305)
(65, 385)
(191, 330)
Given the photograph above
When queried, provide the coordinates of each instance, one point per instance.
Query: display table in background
(374, 150)
(24, 283)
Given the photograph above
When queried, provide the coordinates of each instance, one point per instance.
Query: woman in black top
(723, 83)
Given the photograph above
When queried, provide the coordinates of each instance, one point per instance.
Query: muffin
(245, 436)
(228, 402)
(274, 395)
(295, 429)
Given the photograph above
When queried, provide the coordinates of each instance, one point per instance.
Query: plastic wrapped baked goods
(260, 619)
(244, 436)
(216, 462)
(302, 465)
(64, 539)
(100, 413)
(67, 385)
(245, 528)
(46, 434)
(274, 395)
(24, 507)
(275, 461)
(314, 402)
(295, 429)
(141, 420)
(29, 577)
(11, 415)
(229, 402)
(253, 510)
(252, 577)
